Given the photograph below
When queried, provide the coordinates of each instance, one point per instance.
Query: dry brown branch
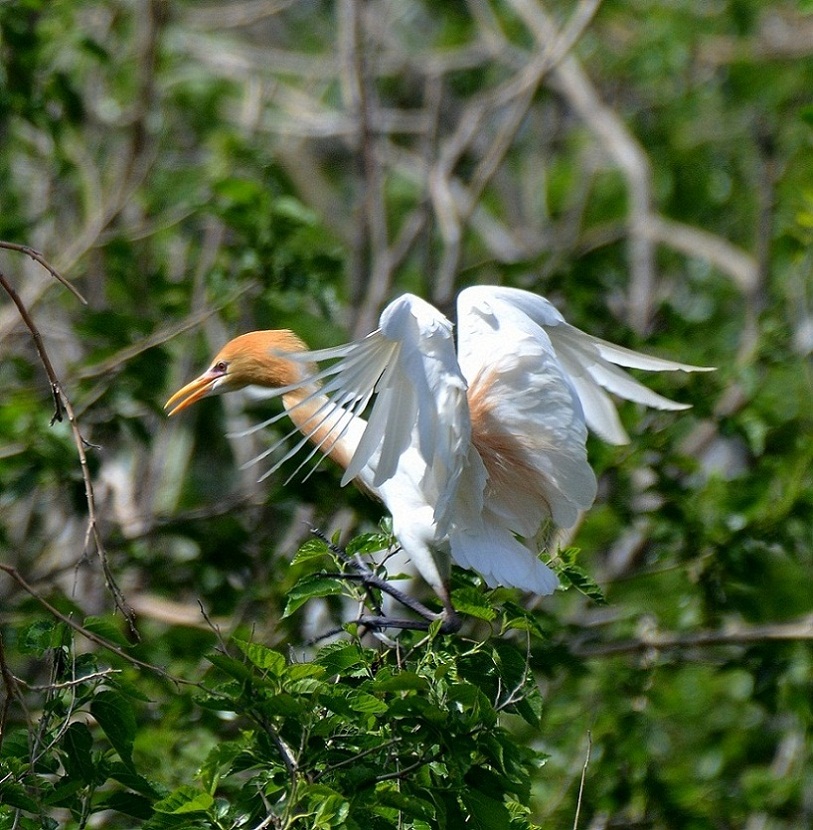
(616, 139)
(63, 403)
(783, 34)
(582, 780)
(90, 635)
(695, 242)
(372, 277)
(56, 391)
(39, 258)
(231, 15)
(518, 93)
(735, 635)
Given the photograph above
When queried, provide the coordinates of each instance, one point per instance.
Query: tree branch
(735, 635)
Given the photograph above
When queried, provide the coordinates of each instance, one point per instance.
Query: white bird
(471, 450)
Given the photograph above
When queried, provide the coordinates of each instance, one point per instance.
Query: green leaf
(262, 656)
(518, 618)
(388, 795)
(41, 636)
(337, 658)
(313, 585)
(302, 671)
(474, 603)
(404, 681)
(234, 668)
(129, 804)
(184, 800)
(106, 629)
(64, 793)
(313, 548)
(77, 742)
(486, 813)
(367, 704)
(14, 795)
(132, 780)
(114, 714)
(218, 763)
(368, 543)
(581, 581)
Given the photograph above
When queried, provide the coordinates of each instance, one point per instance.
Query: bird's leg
(369, 579)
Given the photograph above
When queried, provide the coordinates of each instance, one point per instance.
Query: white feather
(535, 384)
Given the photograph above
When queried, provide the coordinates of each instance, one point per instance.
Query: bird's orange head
(259, 358)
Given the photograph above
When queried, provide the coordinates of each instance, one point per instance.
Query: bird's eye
(220, 368)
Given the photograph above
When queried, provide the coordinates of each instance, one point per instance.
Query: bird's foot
(360, 572)
(449, 623)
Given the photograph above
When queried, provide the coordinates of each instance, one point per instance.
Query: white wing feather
(532, 379)
(528, 412)
(409, 368)
(591, 363)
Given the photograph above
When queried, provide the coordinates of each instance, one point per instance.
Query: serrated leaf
(41, 636)
(115, 716)
(129, 804)
(309, 587)
(367, 704)
(301, 671)
(218, 763)
(337, 658)
(132, 780)
(387, 795)
(14, 795)
(582, 582)
(568, 555)
(262, 656)
(64, 793)
(368, 543)
(186, 799)
(312, 549)
(473, 603)
(518, 618)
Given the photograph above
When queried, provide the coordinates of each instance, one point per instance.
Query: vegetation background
(199, 169)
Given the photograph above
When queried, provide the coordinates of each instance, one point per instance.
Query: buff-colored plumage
(471, 449)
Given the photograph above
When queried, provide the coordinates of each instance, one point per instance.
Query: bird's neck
(334, 430)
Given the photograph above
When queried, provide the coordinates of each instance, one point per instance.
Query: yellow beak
(199, 388)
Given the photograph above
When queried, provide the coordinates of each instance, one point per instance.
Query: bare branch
(90, 635)
(735, 635)
(38, 257)
(62, 404)
(696, 242)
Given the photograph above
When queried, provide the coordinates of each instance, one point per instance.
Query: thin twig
(69, 684)
(38, 344)
(62, 405)
(581, 782)
(95, 638)
(38, 257)
(162, 335)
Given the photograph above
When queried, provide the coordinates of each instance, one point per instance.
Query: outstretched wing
(408, 368)
(527, 421)
(590, 362)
